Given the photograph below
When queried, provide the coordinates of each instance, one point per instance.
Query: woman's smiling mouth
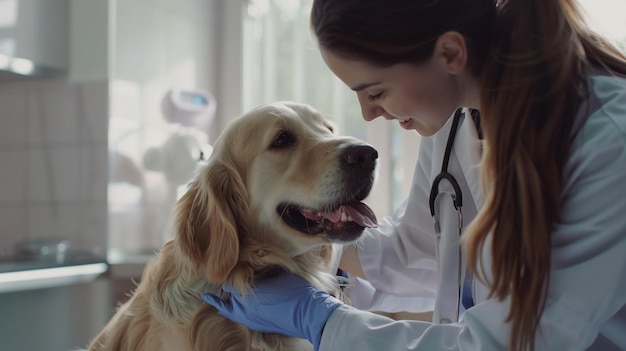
(406, 123)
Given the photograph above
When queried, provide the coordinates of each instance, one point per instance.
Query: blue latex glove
(284, 304)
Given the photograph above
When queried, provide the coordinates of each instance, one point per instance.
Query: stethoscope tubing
(434, 190)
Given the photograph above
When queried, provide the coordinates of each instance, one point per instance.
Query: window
(607, 17)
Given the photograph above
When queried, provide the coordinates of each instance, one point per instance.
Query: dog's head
(279, 180)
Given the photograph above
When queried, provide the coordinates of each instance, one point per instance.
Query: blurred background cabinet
(33, 37)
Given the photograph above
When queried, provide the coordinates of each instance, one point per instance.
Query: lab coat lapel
(468, 149)
(448, 260)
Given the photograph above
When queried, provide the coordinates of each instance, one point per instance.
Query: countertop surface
(33, 275)
(129, 264)
(29, 275)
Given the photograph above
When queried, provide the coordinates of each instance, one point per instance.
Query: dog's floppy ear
(208, 218)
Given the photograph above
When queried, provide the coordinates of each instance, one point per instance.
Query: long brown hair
(531, 58)
(532, 87)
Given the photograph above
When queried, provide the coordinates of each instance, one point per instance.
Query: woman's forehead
(355, 74)
(359, 75)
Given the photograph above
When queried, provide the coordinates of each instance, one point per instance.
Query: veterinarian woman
(548, 237)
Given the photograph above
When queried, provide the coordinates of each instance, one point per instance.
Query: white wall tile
(67, 174)
(94, 170)
(13, 117)
(34, 123)
(12, 227)
(54, 164)
(12, 176)
(93, 112)
(38, 177)
(92, 236)
(57, 114)
(54, 222)
(54, 175)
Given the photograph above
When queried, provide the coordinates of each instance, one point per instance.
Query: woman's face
(420, 97)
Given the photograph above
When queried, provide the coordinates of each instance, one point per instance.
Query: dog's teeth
(344, 216)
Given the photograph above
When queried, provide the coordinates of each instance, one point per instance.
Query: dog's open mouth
(341, 222)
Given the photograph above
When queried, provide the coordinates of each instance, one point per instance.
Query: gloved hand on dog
(283, 304)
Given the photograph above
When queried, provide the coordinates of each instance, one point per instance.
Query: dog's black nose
(361, 155)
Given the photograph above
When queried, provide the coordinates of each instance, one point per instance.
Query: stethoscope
(457, 197)
(465, 290)
(457, 200)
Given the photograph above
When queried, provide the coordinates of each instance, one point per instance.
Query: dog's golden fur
(228, 230)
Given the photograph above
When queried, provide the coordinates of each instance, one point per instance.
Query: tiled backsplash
(53, 163)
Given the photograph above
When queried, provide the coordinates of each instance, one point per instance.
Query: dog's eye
(283, 139)
(330, 126)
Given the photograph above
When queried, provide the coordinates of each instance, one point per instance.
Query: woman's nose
(370, 111)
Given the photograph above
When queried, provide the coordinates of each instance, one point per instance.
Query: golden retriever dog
(281, 189)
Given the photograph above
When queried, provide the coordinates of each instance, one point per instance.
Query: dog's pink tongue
(359, 212)
(362, 214)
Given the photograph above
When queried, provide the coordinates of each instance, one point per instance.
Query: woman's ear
(451, 50)
(207, 220)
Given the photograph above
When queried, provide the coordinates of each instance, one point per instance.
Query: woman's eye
(282, 140)
(374, 97)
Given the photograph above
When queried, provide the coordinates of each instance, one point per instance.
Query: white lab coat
(406, 270)
(586, 299)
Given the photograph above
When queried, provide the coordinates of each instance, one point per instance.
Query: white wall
(53, 142)
(53, 163)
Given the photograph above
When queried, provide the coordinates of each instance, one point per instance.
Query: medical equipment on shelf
(189, 107)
